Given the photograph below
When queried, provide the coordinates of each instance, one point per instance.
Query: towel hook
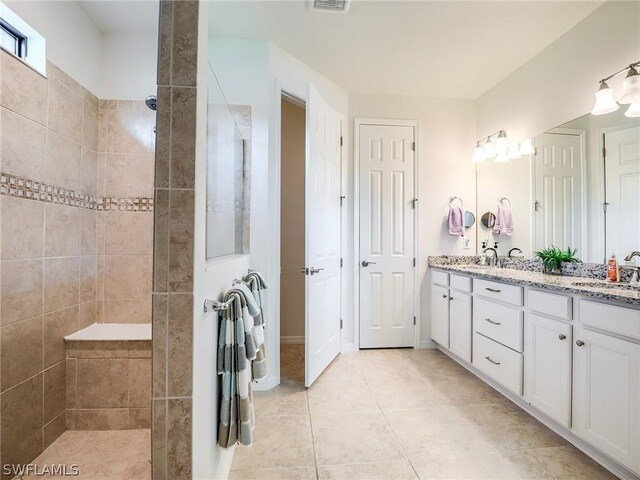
(451, 200)
(504, 199)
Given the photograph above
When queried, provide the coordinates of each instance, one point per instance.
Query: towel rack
(216, 306)
(502, 200)
(451, 199)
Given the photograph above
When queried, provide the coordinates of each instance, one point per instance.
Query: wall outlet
(466, 244)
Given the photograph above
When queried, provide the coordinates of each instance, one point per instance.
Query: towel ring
(451, 200)
(504, 199)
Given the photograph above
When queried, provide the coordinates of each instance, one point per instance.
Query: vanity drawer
(498, 362)
(499, 322)
(440, 278)
(625, 321)
(460, 282)
(552, 304)
(499, 291)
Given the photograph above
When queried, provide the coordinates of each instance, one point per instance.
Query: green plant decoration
(553, 258)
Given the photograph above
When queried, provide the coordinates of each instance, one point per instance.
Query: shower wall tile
(21, 290)
(61, 230)
(128, 311)
(165, 43)
(88, 232)
(102, 383)
(89, 160)
(65, 110)
(180, 345)
(86, 314)
(56, 326)
(181, 214)
(183, 120)
(129, 175)
(53, 430)
(23, 143)
(163, 141)
(127, 276)
(139, 418)
(61, 283)
(159, 344)
(128, 233)
(88, 276)
(21, 229)
(179, 438)
(21, 351)
(139, 383)
(185, 44)
(23, 90)
(159, 439)
(63, 162)
(127, 127)
(55, 396)
(161, 242)
(101, 419)
(90, 125)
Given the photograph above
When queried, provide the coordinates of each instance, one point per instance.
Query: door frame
(392, 122)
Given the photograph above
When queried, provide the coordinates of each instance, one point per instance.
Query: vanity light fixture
(513, 153)
(634, 110)
(478, 153)
(489, 150)
(502, 157)
(605, 98)
(498, 148)
(501, 142)
(526, 147)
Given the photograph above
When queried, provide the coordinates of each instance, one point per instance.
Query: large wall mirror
(581, 189)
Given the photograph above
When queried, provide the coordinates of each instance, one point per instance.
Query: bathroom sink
(617, 286)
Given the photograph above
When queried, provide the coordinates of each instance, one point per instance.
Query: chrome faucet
(494, 257)
(635, 276)
(512, 250)
(630, 255)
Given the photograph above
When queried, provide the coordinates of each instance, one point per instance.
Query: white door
(322, 236)
(547, 370)
(440, 315)
(623, 191)
(386, 155)
(558, 187)
(460, 325)
(607, 395)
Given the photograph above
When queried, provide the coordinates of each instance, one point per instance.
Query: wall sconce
(500, 149)
(605, 99)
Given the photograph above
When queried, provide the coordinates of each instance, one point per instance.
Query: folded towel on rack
(504, 222)
(456, 221)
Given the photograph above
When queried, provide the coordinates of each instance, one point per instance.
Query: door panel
(386, 159)
(460, 325)
(322, 236)
(440, 315)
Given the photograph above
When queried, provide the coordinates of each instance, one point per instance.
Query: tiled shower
(76, 244)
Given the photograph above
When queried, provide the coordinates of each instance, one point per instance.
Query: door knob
(562, 336)
(580, 343)
(304, 270)
(366, 264)
(315, 270)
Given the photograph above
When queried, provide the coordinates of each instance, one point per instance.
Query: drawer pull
(492, 361)
(494, 290)
(562, 336)
(492, 322)
(580, 343)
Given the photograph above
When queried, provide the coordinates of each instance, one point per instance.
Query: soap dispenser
(483, 257)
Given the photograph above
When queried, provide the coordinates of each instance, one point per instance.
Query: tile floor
(399, 414)
(101, 455)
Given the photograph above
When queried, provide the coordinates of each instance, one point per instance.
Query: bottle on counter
(613, 269)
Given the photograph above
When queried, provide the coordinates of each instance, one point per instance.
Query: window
(12, 40)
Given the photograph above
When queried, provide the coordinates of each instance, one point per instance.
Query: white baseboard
(349, 347)
(292, 340)
(428, 344)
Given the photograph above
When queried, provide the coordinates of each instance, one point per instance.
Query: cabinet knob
(450, 298)
(444, 296)
(562, 336)
(580, 343)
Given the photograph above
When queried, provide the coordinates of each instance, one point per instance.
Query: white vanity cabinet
(460, 324)
(440, 315)
(606, 398)
(451, 313)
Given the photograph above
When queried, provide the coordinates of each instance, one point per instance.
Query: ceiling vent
(341, 6)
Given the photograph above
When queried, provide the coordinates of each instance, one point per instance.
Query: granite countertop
(624, 293)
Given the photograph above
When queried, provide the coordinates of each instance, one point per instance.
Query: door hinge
(604, 152)
(341, 262)
(605, 205)
(341, 140)
(413, 146)
(414, 320)
(342, 197)
(341, 324)
(414, 201)
(535, 151)
(414, 262)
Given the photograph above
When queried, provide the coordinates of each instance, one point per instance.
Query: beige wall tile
(88, 232)
(55, 395)
(100, 349)
(127, 277)
(185, 43)
(127, 311)
(21, 228)
(129, 128)
(140, 349)
(60, 283)
(89, 161)
(22, 89)
(21, 290)
(102, 419)
(163, 137)
(128, 233)
(183, 121)
(159, 347)
(161, 241)
(21, 351)
(63, 162)
(165, 42)
(180, 346)
(102, 383)
(56, 326)
(70, 381)
(53, 430)
(140, 383)
(21, 421)
(159, 437)
(90, 125)
(65, 110)
(100, 277)
(23, 143)
(61, 230)
(129, 174)
(181, 211)
(179, 449)
(86, 314)
(139, 418)
(88, 276)
(101, 175)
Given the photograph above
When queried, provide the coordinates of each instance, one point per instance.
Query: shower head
(151, 101)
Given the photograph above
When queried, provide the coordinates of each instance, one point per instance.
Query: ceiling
(456, 49)
(125, 16)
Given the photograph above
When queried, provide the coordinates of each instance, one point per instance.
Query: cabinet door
(607, 395)
(440, 315)
(460, 325)
(547, 373)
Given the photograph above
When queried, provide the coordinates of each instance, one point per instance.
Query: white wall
(446, 135)
(559, 83)
(73, 41)
(128, 69)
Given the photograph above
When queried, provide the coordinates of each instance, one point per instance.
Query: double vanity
(564, 348)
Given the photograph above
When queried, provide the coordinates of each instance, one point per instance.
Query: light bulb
(478, 153)
(631, 87)
(489, 150)
(605, 102)
(513, 153)
(501, 142)
(634, 110)
(502, 157)
(526, 147)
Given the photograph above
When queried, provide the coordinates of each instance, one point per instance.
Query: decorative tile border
(14, 186)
